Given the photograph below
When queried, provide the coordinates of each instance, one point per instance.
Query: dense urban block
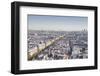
(56, 45)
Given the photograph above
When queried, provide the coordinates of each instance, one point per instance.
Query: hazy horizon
(57, 23)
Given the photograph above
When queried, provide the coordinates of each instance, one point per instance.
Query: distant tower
(71, 48)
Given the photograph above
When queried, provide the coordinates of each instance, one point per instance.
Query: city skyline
(57, 23)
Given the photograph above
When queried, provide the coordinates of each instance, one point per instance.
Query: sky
(57, 23)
